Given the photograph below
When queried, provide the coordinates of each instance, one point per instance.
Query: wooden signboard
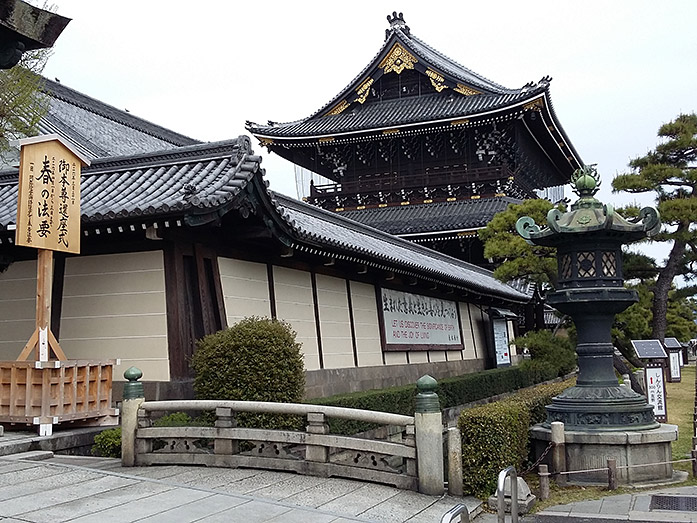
(48, 206)
(48, 219)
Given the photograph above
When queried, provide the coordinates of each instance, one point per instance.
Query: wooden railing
(397, 182)
(313, 451)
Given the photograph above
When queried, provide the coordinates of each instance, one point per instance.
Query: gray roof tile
(432, 217)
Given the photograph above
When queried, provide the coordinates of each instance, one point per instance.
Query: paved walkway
(83, 489)
(670, 504)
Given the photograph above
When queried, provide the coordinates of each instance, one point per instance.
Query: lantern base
(593, 408)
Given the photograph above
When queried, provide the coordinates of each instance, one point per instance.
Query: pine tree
(670, 172)
(22, 104)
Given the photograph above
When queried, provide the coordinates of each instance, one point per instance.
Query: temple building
(181, 238)
(423, 148)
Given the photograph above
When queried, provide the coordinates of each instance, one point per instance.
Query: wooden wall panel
(17, 308)
(295, 304)
(245, 289)
(114, 307)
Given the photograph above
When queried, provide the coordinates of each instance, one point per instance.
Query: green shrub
(256, 359)
(495, 436)
(544, 346)
(107, 443)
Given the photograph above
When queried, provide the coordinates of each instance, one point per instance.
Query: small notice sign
(656, 390)
(48, 206)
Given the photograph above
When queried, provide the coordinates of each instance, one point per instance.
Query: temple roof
(458, 96)
(432, 218)
(100, 129)
(97, 129)
(199, 185)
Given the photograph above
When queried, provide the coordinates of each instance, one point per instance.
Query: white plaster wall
(480, 327)
(295, 304)
(335, 322)
(17, 308)
(366, 324)
(468, 332)
(245, 289)
(114, 307)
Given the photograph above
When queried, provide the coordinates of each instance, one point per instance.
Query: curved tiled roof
(330, 230)
(184, 180)
(432, 217)
(399, 112)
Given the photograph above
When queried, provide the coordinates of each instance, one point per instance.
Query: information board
(416, 322)
(501, 342)
(48, 204)
(656, 391)
(674, 364)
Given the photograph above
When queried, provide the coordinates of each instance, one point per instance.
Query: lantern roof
(588, 215)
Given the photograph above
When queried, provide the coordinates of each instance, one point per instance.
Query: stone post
(317, 424)
(428, 423)
(558, 452)
(133, 397)
(454, 462)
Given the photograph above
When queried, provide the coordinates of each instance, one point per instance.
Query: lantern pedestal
(641, 456)
(598, 402)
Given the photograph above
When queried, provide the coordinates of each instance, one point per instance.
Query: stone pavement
(669, 504)
(85, 489)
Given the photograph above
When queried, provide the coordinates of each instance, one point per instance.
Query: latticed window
(586, 265)
(609, 264)
(565, 269)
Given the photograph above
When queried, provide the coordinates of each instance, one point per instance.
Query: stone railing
(411, 445)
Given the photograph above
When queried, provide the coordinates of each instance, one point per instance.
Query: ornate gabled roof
(432, 218)
(458, 96)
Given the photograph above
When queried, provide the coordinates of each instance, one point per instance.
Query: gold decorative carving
(265, 142)
(397, 60)
(437, 80)
(338, 108)
(390, 131)
(326, 139)
(460, 122)
(535, 105)
(467, 91)
(363, 91)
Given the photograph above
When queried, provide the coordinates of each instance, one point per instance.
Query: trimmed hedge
(451, 392)
(496, 435)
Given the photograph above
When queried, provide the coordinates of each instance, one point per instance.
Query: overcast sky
(620, 68)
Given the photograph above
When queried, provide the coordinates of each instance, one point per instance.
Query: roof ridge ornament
(396, 21)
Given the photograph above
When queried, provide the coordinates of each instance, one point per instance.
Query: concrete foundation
(591, 449)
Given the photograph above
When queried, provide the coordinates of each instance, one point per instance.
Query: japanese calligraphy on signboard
(656, 391)
(48, 206)
(415, 322)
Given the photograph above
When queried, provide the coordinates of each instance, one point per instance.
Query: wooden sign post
(42, 387)
(48, 219)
